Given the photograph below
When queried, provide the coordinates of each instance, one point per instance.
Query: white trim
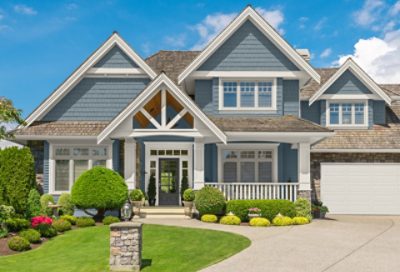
(248, 74)
(249, 14)
(351, 65)
(250, 147)
(346, 126)
(78, 74)
(163, 108)
(348, 96)
(115, 71)
(147, 93)
(354, 150)
(151, 119)
(177, 118)
(49, 137)
(170, 132)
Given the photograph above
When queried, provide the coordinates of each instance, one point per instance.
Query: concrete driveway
(343, 243)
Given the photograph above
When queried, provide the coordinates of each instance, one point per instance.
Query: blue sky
(42, 42)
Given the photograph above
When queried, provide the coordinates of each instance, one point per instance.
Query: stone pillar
(198, 181)
(304, 175)
(125, 246)
(130, 163)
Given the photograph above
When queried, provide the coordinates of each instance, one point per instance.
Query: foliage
(188, 195)
(69, 218)
(67, 207)
(281, 220)
(230, 220)
(209, 218)
(300, 220)
(61, 225)
(48, 231)
(151, 189)
(33, 236)
(44, 225)
(269, 208)
(136, 195)
(184, 187)
(34, 206)
(83, 222)
(6, 212)
(209, 200)
(19, 244)
(17, 224)
(319, 206)
(17, 177)
(3, 232)
(41, 220)
(108, 220)
(303, 208)
(259, 222)
(8, 115)
(99, 188)
(254, 211)
(44, 202)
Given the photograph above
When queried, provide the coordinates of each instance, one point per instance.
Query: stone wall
(125, 246)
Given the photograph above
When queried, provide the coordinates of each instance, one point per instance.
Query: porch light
(126, 211)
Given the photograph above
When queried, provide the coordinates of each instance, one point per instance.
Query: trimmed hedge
(83, 222)
(67, 207)
(19, 244)
(209, 200)
(17, 224)
(259, 222)
(269, 208)
(61, 225)
(230, 220)
(209, 218)
(33, 236)
(108, 220)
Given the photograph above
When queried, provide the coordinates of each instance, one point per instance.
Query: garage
(361, 188)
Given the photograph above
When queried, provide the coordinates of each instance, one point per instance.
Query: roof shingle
(63, 128)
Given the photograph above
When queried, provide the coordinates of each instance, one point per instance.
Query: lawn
(164, 249)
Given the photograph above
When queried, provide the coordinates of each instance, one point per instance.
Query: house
(248, 115)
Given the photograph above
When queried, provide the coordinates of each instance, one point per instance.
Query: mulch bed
(4, 250)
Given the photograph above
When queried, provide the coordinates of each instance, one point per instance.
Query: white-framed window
(248, 94)
(347, 113)
(247, 163)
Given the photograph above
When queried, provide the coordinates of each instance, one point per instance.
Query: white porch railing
(278, 190)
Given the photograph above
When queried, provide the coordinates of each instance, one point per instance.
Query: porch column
(304, 171)
(198, 180)
(130, 163)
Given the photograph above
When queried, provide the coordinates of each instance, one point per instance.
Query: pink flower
(39, 220)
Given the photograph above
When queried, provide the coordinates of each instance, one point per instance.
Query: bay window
(347, 114)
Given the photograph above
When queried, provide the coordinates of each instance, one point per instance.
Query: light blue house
(248, 115)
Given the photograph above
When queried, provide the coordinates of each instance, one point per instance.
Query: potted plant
(151, 190)
(253, 213)
(137, 197)
(184, 186)
(188, 198)
(319, 210)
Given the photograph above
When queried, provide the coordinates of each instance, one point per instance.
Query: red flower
(39, 220)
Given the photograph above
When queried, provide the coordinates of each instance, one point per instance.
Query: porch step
(162, 212)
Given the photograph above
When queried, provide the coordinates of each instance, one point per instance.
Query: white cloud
(320, 24)
(379, 57)
(395, 9)
(176, 41)
(213, 24)
(302, 22)
(23, 9)
(326, 53)
(369, 12)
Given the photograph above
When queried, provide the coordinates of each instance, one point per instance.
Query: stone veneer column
(125, 246)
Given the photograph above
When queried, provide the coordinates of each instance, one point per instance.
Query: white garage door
(361, 188)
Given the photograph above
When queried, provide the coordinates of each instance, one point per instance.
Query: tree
(184, 185)
(8, 115)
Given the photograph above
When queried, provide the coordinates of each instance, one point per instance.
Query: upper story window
(248, 95)
(347, 114)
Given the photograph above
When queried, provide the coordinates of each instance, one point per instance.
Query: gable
(348, 83)
(116, 58)
(248, 49)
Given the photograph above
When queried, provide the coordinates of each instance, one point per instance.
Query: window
(347, 114)
(248, 95)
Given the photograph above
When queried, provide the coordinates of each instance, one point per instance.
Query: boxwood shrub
(300, 220)
(209, 218)
(17, 224)
(33, 236)
(269, 208)
(19, 244)
(83, 222)
(70, 218)
(281, 220)
(230, 220)
(209, 200)
(61, 225)
(108, 220)
(259, 222)
(48, 231)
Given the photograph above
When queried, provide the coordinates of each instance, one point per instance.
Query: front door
(168, 182)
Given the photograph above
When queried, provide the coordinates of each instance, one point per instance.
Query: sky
(42, 42)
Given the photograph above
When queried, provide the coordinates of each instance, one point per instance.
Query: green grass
(164, 249)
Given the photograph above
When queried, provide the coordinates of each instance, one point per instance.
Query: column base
(304, 194)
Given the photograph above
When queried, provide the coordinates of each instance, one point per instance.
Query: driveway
(343, 243)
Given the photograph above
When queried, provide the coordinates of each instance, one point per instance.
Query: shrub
(44, 202)
(69, 218)
(33, 236)
(303, 208)
(299, 220)
(209, 218)
(99, 188)
(17, 177)
(61, 225)
(281, 220)
(184, 187)
(19, 244)
(188, 195)
(41, 220)
(151, 188)
(269, 208)
(83, 222)
(34, 207)
(48, 232)
(209, 200)
(259, 222)
(230, 220)
(17, 224)
(108, 220)
(6, 212)
(136, 195)
(67, 207)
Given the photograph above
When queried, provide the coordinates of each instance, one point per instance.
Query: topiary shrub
(259, 222)
(17, 177)
(209, 218)
(281, 220)
(151, 190)
(19, 244)
(136, 195)
(230, 220)
(209, 200)
(69, 218)
(300, 220)
(67, 207)
(188, 195)
(269, 208)
(303, 208)
(17, 224)
(108, 220)
(34, 207)
(61, 225)
(33, 236)
(45, 200)
(184, 187)
(101, 189)
(83, 222)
